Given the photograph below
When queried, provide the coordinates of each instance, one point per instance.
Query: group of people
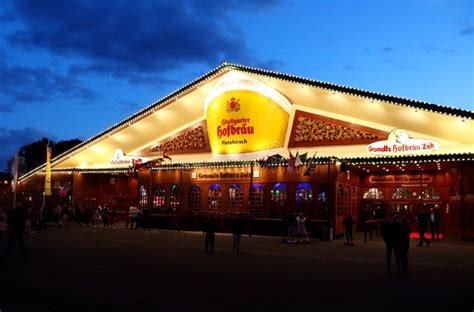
(294, 228)
(209, 228)
(395, 230)
(431, 220)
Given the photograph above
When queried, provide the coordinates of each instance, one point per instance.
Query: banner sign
(399, 143)
(47, 179)
(119, 158)
(404, 178)
(223, 175)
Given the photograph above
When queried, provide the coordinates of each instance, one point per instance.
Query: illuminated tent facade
(262, 143)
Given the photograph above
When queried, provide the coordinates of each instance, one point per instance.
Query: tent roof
(183, 108)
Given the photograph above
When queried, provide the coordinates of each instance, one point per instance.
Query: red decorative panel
(191, 140)
(316, 130)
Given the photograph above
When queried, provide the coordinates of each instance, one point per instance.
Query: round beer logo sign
(244, 115)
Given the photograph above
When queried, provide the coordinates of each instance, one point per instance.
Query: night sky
(70, 69)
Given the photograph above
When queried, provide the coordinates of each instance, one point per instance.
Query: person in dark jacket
(389, 234)
(16, 226)
(435, 218)
(422, 226)
(237, 229)
(348, 224)
(402, 245)
(209, 229)
(146, 219)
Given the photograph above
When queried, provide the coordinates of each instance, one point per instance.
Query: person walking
(209, 229)
(402, 245)
(134, 216)
(348, 224)
(301, 228)
(388, 229)
(78, 215)
(422, 225)
(105, 216)
(16, 220)
(34, 218)
(113, 217)
(237, 229)
(435, 218)
(146, 219)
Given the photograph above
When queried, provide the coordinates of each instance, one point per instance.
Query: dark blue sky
(70, 69)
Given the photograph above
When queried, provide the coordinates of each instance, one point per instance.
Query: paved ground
(86, 269)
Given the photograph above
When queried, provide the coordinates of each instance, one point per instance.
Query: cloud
(12, 139)
(22, 84)
(467, 31)
(5, 108)
(386, 49)
(136, 39)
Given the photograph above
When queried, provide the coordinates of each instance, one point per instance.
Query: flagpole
(14, 171)
(14, 193)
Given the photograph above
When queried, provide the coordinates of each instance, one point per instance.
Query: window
(143, 199)
(279, 195)
(304, 194)
(194, 197)
(174, 197)
(430, 194)
(323, 193)
(373, 193)
(256, 196)
(214, 198)
(401, 193)
(235, 196)
(159, 200)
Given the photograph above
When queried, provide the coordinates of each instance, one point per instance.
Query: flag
(14, 171)
(291, 162)
(311, 165)
(275, 158)
(166, 156)
(301, 159)
(47, 178)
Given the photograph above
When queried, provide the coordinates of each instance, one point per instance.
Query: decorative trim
(191, 140)
(316, 130)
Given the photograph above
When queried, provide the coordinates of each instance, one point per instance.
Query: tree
(34, 154)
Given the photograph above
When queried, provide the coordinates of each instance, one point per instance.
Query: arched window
(194, 197)
(279, 195)
(214, 198)
(373, 193)
(430, 194)
(401, 193)
(174, 197)
(159, 199)
(304, 194)
(235, 196)
(256, 196)
(143, 199)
